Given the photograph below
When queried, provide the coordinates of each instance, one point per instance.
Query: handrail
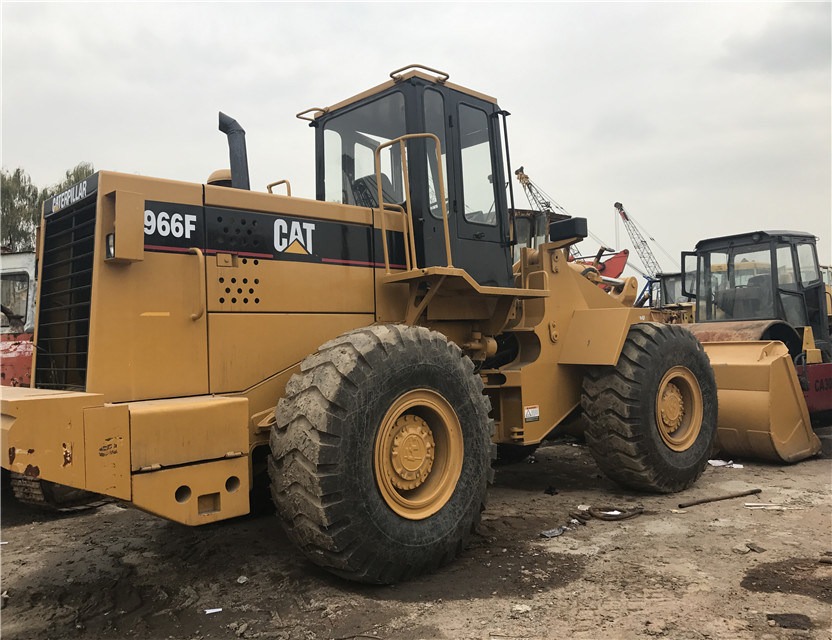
(400, 141)
(302, 115)
(389, 206)
(274, 184)
(440, 80)
(202, 283)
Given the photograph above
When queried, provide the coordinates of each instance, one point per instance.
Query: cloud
(702, 118)
(795, 39)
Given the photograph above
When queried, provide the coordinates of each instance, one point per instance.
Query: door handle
(479, 235)
(202, 294)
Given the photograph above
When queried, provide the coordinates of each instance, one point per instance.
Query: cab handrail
(409, 234)
(443, 77)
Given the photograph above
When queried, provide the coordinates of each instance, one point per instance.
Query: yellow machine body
(190, 349)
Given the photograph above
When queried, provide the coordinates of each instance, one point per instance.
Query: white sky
(703, 119)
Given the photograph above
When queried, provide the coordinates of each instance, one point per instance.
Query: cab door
(814, 291)
(475, 189)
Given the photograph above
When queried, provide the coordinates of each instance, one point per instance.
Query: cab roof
(751, 237)
(398, 78)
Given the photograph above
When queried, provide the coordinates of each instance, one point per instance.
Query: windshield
(350, 142)
(736, 284)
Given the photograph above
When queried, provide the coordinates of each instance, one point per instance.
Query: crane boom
(542, 204)
(645, 254)
(533, 193)
(539, 201)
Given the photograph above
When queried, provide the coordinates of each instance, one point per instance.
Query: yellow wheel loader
(369, 347)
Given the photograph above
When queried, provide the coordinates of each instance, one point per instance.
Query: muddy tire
(651, 419)
(380, 455)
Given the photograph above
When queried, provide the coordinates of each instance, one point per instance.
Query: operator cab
(468, 127)
(666, 290)
(764, 275)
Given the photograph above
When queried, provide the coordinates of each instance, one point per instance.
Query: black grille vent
(65, 291)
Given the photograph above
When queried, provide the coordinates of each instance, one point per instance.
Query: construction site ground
(717, 570)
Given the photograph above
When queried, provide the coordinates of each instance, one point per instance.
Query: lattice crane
(645, 254)
(541, 202)
(537, 199)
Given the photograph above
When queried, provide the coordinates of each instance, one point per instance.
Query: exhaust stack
(236, 151)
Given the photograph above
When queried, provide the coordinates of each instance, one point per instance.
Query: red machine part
(819, 394)
(16, 359)
(613, 266)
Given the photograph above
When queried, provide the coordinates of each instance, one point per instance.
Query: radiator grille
(65, 291)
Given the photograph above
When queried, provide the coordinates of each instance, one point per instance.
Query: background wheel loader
(763, 312)
(369, 347)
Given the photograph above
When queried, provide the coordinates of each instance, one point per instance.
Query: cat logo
(70, 196)
(293, 236)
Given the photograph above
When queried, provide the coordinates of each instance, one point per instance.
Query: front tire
(652, 418)
(381, 452)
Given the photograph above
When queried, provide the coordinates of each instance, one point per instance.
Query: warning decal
(532, 413)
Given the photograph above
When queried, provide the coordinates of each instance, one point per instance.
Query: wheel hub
(418, 454)
(412, 453)
(679, 408)
(672, 407)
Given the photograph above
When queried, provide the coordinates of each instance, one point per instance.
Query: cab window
(14, 292)
(713, 278)
(478, 197)
(792, 301)
(435, 124)
(350, 142)
(808, 263)
(786, 277)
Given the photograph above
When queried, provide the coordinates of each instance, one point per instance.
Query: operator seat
(365, 191)
(761, 288)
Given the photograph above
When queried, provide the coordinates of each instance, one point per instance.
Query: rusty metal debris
(613, 513)
(751, 492)
(584, 514)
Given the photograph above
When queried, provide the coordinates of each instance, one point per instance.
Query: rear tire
(50, 495)
(380, 456)
(652, 418)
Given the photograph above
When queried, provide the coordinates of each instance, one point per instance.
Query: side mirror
(689, 273)
(568, 229)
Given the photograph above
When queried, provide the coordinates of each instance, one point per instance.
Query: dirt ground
(115, 572)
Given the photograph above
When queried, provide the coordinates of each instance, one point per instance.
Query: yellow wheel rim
(679, 408)
(418, 454)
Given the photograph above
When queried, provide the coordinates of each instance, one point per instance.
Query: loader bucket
(762, 412)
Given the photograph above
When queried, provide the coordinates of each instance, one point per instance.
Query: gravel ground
(718, 570)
